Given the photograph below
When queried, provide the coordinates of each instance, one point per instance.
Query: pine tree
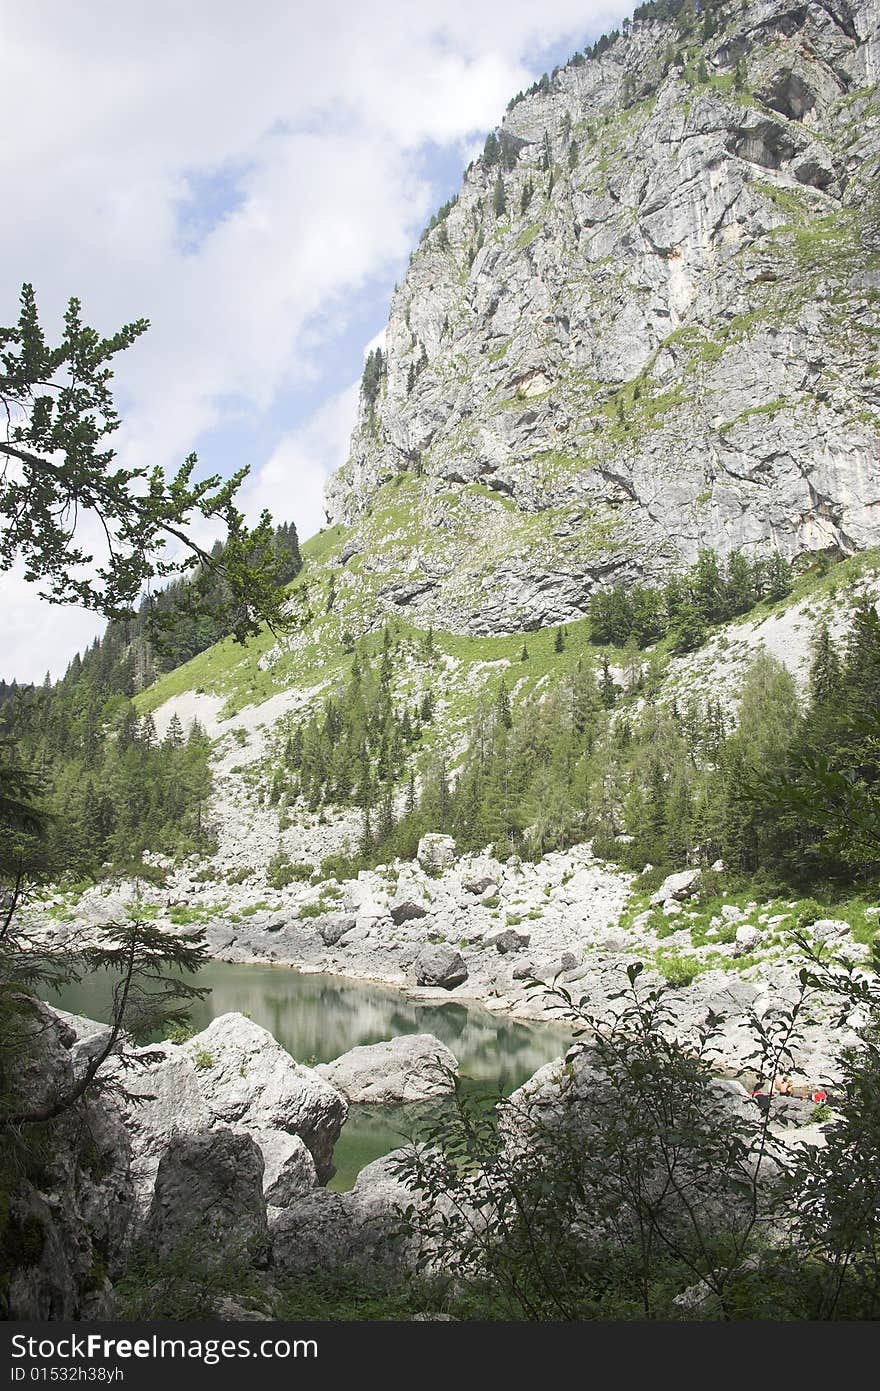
(558, 641)
(499, 197)
(174, 733)
(607, 688)
(825, 673)
(778, 580)
(502, 706)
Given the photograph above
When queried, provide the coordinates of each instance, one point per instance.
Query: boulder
(208, 1201)
(248, 1081)
(525, 971)
(508, 939)
(479, 884)
(441, 966)
(413, 1067)
(748, 938)
(435, 851)
(162, 1100)
(482, 877)
(676, 887)
(407, 909)
(332, 930)
(830, 930)
(358, 1230)
(289, 1171)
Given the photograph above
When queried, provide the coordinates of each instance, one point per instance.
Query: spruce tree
(607, 688)
(502, 706)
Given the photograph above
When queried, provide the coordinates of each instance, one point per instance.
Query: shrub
(809, 912)
(239, 876)
(178, 1033)
(281, 871)
(678, 970)
(608, 1192)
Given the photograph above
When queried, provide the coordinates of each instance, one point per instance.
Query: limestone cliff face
(651, 325)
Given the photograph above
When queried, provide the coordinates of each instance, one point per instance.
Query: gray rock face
(209, 1199)
(676, 887)
(248, 1081)
(435, 851)
(65, 1235)
(357, 1230)
(663, 342)
(509, 939)
(413, 1067)
(289, 1169)
(438, 965)
(165, 1101)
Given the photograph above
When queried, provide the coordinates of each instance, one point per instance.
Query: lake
(318, 1017)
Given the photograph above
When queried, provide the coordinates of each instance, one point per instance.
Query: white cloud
(291, 482)
(313, 121)
(36, 637)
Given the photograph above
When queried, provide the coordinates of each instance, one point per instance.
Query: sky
(251, 179)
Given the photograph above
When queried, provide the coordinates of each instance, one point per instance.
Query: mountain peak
(644, 326)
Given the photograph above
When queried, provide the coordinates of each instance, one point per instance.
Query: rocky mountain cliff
(646, 325)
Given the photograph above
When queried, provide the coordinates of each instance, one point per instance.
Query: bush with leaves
(611, 1182)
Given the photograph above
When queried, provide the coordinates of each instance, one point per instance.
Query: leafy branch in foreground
(605, 1188)
(150, 992)
(58, 472)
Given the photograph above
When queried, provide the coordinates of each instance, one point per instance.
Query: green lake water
(318, 1017)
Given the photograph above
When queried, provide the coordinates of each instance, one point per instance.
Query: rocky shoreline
(482, 932)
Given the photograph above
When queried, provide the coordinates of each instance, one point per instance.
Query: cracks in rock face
(831, 511)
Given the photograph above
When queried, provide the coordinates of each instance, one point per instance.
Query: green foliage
(685, 607)
(829, 786)
(112, 789)
(375, 369)
(438, 219)
(281, 871)
(636, 1179)
(64, 416)
(677, 970)
(809, 912)
(355, 749)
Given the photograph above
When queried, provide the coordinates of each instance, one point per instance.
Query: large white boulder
(677, 887)
(436, 851)
(413, 1067)
(248, 1081)
(161, 1100)
(358, 1230)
